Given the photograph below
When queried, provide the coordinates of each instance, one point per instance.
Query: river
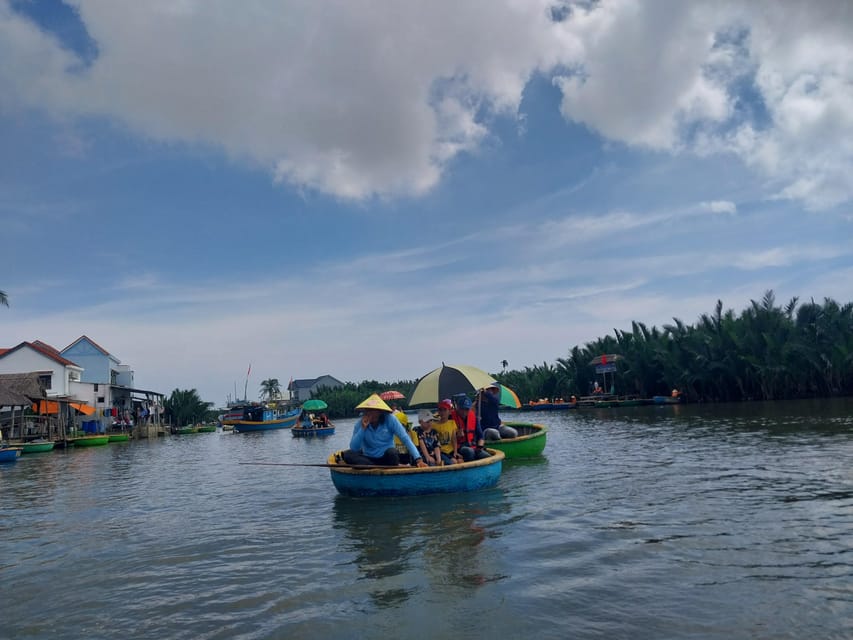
(725, 521)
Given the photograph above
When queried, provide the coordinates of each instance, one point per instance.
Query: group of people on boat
(457, 432)
(308, 420)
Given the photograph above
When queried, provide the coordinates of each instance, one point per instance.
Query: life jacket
(468, 429)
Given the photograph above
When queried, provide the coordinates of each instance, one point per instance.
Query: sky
(368, 189)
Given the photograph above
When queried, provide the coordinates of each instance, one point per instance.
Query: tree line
(766, 352)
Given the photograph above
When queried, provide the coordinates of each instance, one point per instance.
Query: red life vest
(468, 429)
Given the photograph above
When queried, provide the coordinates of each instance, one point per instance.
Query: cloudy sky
(366, 189)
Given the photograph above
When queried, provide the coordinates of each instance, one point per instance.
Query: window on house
(101, 399)
(45, 380)
(96, 386)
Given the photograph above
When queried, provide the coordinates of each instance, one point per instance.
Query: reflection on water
(437, 536)
(678, 521)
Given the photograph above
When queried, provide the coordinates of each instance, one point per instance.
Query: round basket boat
(415, 481)
(529, 443)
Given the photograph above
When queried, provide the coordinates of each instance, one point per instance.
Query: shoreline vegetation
(765, 352)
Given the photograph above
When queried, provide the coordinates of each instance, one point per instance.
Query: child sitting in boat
(405, 457)
(428, 438)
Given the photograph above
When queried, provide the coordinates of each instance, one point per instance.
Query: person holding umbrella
(372, 441)
(488, 401)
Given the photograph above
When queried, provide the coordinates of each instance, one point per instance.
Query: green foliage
(270, 389)
(342, 401)
(185, 407)
(767, 352)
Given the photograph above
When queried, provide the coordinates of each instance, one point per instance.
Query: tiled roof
(44, 349)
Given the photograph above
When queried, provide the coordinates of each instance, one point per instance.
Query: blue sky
(368, 189)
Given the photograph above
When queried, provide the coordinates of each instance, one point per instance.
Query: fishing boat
(352, 480)
(9, 454)
(529, 443)
(234, 412)
(263, 419)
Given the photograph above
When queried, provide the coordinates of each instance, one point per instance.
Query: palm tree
(270, 389)
(504, 364)
(186, 407)
(4, 299)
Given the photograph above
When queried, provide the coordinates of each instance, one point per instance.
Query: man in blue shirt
(372, 441)
(488, 401)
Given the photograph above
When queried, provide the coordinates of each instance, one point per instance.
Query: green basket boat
(529, 443)
(119, 437)
(35, 446)
(184, 431)
(90, 441)
(207, 428)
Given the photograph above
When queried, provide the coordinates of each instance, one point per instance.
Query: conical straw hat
(374, 402)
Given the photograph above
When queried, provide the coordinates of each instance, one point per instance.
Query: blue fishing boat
(10, 454)
(415, 481)
(264, 419)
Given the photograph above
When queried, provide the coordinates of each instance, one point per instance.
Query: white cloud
(720, 206)
(359, 99)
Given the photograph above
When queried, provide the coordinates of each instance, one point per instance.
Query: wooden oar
(326, 465)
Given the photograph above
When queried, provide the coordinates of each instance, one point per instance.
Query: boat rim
(495, 457)
(541, 429)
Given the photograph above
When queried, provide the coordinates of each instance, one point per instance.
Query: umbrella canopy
(314, 405)
(449, 380)
(509, 398)
(392, 395)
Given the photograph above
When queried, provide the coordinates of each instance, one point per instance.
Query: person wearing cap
(428, 438)
(469, 434)
(488, 401)
(445, 427)
(372, 441)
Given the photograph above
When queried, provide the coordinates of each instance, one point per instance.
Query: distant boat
(34, 446)
(546, 405)
(89, 441)
(9, 454)
(119, 436)
(414, 481)
(307, 431)
(207, 428)
(233, 413)
(263, 419)
(529, 443)
(185, 430)
(666, 399)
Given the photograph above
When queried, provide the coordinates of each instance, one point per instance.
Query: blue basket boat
(415, 481)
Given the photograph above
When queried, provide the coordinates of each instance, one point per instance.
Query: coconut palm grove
(767, 351)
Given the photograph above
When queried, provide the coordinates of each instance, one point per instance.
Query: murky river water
(649, 522)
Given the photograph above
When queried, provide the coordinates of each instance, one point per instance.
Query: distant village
(80, 385)
(47, 392)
